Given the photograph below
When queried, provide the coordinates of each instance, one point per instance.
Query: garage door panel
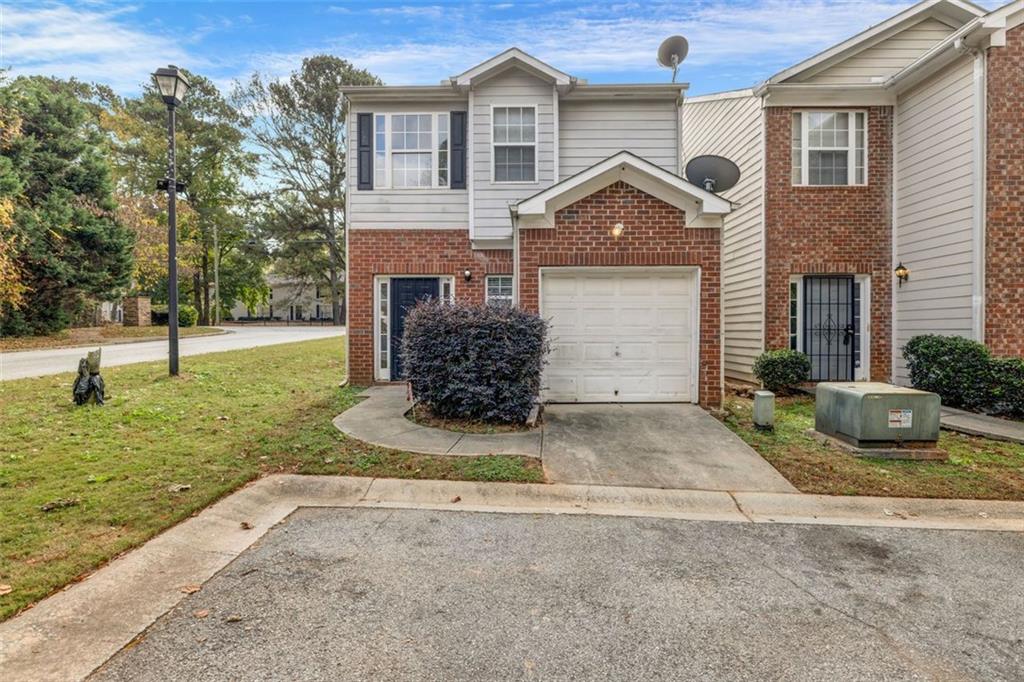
(624, 336)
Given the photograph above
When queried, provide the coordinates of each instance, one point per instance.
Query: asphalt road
(36, 363)
(403, 594)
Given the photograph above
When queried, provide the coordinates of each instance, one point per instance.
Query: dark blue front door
(405, 293)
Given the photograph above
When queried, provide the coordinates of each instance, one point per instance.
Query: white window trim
(851, 157)
(862, 373)
(435, 130)
(487, 288)
(536, 139)
(384, 373)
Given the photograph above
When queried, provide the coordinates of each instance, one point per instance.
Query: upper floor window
(514, 138)
(829, 148)
(410, 150)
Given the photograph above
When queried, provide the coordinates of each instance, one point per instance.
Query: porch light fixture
(467, 274)
(618, 230)
(902, 273)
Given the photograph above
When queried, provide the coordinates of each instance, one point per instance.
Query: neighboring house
(515, 181)
(290, 300)
(903, 145)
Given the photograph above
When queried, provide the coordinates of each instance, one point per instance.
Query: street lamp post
(172, 85)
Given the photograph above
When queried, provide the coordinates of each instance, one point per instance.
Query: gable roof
(512, 57)
(954, 13)
(702, 208)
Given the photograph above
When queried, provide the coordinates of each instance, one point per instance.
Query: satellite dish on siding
(713, 173)
(672, 52)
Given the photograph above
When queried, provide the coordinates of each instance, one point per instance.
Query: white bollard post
(764, 410)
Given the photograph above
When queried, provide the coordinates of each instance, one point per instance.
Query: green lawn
(977, 468)
(229, 418)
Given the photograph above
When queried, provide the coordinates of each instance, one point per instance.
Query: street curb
(72, 633)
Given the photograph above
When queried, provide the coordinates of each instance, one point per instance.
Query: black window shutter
(364, 156)
(458, 152)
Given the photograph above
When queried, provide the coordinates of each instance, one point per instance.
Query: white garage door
(620, 336)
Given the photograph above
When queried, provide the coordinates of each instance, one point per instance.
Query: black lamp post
(172, 85)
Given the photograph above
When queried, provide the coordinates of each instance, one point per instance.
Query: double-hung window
(829, 148)
(411, 151)
(499, 289)
(514, 135)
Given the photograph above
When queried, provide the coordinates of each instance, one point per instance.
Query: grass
(978, 468)
(84, 336)
(115, 473)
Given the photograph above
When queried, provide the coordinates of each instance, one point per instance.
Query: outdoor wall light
(618, 230)
(467, 274)
(902, 273)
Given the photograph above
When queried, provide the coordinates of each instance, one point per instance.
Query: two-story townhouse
(902, 146)
(515, 182)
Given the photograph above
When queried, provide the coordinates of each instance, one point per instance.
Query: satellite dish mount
(713, 173)
(672, 52)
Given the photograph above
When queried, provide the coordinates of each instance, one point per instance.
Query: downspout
(979, 183)
(513, 214)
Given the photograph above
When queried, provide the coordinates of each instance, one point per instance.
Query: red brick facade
(1004, 232)
(655, 235)
(408, 252)
(829, 230)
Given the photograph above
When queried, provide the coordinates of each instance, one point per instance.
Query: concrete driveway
(651, 446)
(389, 594)
(37, 363)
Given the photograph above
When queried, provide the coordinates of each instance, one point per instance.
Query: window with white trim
(380, 151)
(499, 289)
(829, 148)
(411, 151)
(443, 146)
(514, 135)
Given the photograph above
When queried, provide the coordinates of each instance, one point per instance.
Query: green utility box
(876, 415)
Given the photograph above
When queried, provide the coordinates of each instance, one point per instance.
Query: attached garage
(622, 334)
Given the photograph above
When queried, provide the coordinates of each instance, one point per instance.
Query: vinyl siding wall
(934, 203)
(490, 200)
(886, 57)
(404, 208)
(731, 127)
(591, 131)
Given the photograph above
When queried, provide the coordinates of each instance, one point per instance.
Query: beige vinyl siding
(886, 57)
(731, 127)
(490, 201)
(403, 208)
(934, 204)
(591, 131)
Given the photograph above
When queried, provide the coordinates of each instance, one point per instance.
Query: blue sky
(732, 44)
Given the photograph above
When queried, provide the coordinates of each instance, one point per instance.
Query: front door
(830, 332)
(405, 293)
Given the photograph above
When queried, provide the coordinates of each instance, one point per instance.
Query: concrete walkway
(982, 425)
(380, 420)
(37, 363)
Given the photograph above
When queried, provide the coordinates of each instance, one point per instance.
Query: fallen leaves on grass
(5, 589)
(62, 503)
(179, 487)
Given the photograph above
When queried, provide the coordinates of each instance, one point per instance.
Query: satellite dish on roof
(713, 173)
(672, 52)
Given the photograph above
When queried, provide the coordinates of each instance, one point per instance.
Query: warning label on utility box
(901, 419)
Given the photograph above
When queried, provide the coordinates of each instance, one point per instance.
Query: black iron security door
(830, 327)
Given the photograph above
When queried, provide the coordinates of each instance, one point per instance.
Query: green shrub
(187, 315)
(958, 369)
(782, 370)
(1008, 387)
(474, 362)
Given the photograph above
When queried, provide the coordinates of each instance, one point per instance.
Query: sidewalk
(982, 425)
(93, 619)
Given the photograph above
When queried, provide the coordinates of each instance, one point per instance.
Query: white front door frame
(862, 373)
(447, 289)
(695, 270)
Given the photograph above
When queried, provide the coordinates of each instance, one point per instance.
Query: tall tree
(298, 123)
(70, 245)
(212, 162)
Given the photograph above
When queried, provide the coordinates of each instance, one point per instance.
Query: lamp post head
(172, 84)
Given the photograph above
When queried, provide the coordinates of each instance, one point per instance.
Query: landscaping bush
(958, 369)
(187, 315)
(1008, 387)
(474, 362)
(782, 370)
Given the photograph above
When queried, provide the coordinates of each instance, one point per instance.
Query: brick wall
(655, 235)
(829, 230)
(136, 311)
(1004, 233)
(408, 252)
